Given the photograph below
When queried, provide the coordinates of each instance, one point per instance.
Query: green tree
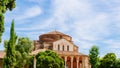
(10, 58)
(4, 6)
(49, 59)
(117, 63)
(108, 61)
(93, 57)
(24, 47)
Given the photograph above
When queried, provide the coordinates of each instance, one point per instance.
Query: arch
(63, 48)
(74, 62)
(68, 62)
(63, 57)
(67, 47)
(58, 47)
(80, 62)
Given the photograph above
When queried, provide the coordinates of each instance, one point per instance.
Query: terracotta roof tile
(55, 32)
(69, 53)
(37, 51)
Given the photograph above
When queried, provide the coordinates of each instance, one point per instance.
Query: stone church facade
(63, 45)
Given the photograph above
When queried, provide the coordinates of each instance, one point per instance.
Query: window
(63, 47)
(58, 47)
(67, 48)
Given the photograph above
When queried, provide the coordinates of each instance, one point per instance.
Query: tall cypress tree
(10, 58)
(4, 6)
(93, 57)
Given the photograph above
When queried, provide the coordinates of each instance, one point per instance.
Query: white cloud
(104, 51)
(64, 9)
(86, 23)
(112, 43)
(93, 29)
(78, 17)
(30, 13)
(37, 26)
(83, 44)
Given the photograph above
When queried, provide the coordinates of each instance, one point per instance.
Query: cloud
(88, 22)
(30, 13)
(83, 44)
(104, 51)
(65, 9)
(93, 29)
(112, 43)
(37, 26)
(81, 17)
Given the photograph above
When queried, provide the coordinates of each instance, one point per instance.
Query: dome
(53, 36)
(55, 32)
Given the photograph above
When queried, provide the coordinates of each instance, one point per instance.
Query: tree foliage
(108, 61)
(93, 57)
(17, 55)
(24, 47)
(10, 58)
(4, 6)
(117, 63)
(49, 59)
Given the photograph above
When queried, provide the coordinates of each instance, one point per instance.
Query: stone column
(34, 62)
(65, 61)
(77, 61)
(86, 62)
(80, 65)
(83, 62)
(71, 61)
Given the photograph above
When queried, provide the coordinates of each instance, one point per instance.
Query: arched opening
(74, 63)
(58, 47)
(67, 48)
(63, 57)
(63, 48)
(80, 62)
(68, 62)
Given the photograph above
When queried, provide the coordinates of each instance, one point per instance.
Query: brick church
(63, 45)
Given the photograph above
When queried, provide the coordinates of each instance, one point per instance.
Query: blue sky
(89, 22)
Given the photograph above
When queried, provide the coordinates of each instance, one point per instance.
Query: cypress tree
(94, 57)
(10, 58)
(4, 6)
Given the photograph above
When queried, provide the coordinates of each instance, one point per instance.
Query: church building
(63, 45)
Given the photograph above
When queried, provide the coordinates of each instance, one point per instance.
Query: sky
(88, 22)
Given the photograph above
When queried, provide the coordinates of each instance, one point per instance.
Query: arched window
(63, 47)
(58, 47)
(67, 48)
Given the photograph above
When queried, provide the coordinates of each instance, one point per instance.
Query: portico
(74, 61)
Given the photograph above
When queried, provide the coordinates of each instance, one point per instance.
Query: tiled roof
(2, 54)
(55, 32)
(69, 53)
(37, 51)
